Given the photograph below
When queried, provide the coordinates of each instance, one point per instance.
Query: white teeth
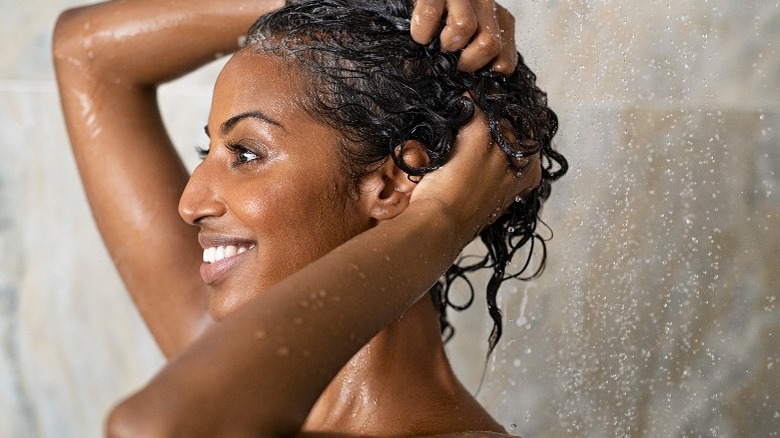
(217, 253)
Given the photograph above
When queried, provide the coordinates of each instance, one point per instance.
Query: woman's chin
(222, 305)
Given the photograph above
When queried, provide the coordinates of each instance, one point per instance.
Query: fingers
(473, 140)
(462, 23)
(486, 43)
(481, 29)
(484, 170)
(506, 61)
(474, 147)
(477, 184)
(426, 17)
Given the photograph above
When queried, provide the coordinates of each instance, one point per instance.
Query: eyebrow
(228, 124)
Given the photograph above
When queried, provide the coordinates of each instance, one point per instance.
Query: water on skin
(657, 314)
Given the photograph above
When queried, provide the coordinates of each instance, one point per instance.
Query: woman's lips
(217, 260)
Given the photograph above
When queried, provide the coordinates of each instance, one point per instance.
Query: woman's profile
(355, 147)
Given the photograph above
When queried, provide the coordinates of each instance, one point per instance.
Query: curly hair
(369, 79)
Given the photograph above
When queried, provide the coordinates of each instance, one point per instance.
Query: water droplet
(282, 351)
(260, 334)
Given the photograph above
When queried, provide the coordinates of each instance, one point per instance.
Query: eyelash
(202, 152)
(237, 150)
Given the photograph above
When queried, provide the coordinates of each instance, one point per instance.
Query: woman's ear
(388, 189)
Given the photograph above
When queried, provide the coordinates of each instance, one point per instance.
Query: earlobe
(389, 187)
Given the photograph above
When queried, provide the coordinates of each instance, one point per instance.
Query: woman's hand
(477, 185)
(482, 29)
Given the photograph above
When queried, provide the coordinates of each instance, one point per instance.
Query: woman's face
(269, 197)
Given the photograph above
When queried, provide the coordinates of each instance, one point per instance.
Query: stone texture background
(657, 315)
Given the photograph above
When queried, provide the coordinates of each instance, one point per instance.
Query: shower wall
(657, 315)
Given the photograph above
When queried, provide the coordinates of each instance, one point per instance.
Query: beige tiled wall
(657, 315)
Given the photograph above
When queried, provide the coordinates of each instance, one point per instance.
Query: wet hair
(367, 78)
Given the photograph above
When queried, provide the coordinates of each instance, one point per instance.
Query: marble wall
(657, 315)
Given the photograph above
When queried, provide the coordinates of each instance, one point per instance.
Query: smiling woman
(270, 185)
(322, 212)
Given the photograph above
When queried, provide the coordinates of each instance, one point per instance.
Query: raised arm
(109, 59)
(258, 372)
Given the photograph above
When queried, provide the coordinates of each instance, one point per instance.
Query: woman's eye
(242, 154)
(246, 156)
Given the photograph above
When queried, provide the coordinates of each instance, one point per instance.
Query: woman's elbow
(66, 39)
(74, 45)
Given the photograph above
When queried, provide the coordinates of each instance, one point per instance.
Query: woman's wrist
(449, 222)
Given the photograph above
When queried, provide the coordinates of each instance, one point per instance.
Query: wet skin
(271, 183)
(120, 52)
(265, 202)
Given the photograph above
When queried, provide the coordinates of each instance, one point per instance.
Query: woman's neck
(400, 383)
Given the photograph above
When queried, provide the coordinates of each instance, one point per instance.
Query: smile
(216, 253)
(218, 260)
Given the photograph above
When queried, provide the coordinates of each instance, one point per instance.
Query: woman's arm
(258, 373)
(109, 59)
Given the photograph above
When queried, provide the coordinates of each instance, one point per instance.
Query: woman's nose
(201, 195)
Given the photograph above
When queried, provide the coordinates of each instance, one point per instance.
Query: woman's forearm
(268, 363)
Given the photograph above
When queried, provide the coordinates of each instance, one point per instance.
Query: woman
(318, 220)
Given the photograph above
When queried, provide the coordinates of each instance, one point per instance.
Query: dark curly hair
(369, 79)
